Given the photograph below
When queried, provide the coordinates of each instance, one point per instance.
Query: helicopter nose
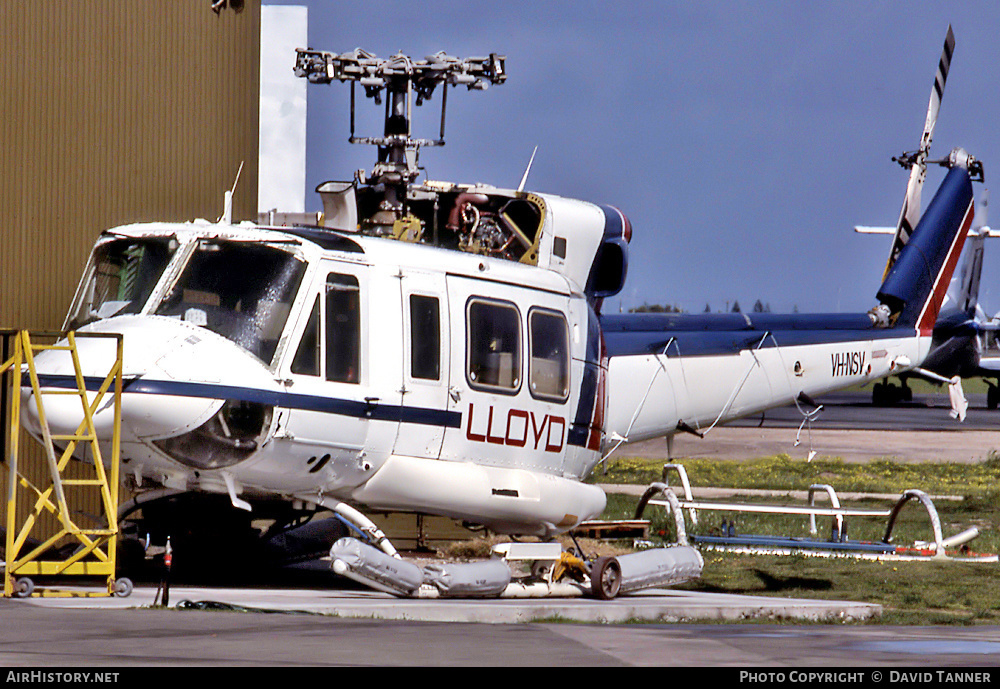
(151, 350)
(60, 405)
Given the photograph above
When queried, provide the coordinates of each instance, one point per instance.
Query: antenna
(524, 179)
(227, 206)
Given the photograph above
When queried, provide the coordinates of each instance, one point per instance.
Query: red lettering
(536, 430)
(496, 440)
(553, 420)
(515, 437)
(468, 430)
(522, 441)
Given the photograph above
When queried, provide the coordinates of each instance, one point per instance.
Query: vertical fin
(915, 288)
(963, 293)
(972, 271)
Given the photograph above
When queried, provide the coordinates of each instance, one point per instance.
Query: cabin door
(426, 354)
(332, 427)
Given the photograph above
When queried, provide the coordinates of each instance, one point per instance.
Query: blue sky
(743, 140)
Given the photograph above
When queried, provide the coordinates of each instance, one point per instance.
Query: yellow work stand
(71, 550)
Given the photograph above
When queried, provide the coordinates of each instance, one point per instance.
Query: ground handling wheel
(605, 578)
(23, 587)
(123, 587)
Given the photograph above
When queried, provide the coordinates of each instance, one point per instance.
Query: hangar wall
(111, 112)
(116, 111)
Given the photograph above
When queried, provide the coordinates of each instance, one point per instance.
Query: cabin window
(307, 356)
(122, 275)
(343, 328)
(240, 290)
(425, 337)
(548, 365)
(493, 346)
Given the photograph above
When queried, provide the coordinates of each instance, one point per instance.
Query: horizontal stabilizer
(959, 404)
(868, 229)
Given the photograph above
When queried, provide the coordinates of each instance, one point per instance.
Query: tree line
(758, 307)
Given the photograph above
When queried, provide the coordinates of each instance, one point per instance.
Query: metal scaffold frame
(91, 551)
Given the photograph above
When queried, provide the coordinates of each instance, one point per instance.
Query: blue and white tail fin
(915, 287)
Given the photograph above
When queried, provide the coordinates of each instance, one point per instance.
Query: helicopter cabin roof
(316, 243)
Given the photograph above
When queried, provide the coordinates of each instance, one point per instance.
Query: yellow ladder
(92, 551)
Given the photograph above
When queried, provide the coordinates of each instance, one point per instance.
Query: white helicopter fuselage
(315, 365)
(655, 391)
(390, 373)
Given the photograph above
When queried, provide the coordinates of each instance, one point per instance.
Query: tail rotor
(916, 161)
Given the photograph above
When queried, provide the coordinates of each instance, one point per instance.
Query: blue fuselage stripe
(719, 334)
(329, 405)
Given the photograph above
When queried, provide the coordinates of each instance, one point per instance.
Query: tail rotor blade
(917, 161)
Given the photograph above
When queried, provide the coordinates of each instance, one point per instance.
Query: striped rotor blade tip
(944, 64)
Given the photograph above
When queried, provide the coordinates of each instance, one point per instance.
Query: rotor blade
(910, 213)
(979, 223)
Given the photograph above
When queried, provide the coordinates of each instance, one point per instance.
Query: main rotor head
(400, 77)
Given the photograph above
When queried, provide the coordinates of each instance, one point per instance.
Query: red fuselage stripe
(925, 324)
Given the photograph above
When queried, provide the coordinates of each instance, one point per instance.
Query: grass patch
(909, 592)
(781, 472)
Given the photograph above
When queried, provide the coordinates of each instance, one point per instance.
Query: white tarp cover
(486, 579)
(659, 567)
(370, 566)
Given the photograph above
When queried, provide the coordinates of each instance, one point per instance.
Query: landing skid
(554, 572)
(373, 561)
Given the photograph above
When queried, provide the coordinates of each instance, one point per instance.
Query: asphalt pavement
(855, 411)
(115, 639)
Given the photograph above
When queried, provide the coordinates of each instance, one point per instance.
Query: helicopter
(438, 348)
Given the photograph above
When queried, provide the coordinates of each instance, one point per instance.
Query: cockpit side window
(121, 278)
(425, 337)
(493, 346)
(343, 328)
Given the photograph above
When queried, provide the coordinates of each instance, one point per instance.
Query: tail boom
(670, 372)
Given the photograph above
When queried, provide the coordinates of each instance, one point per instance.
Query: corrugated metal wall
(116, 111)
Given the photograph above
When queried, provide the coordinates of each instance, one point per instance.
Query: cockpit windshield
(239, 290)
(121, 276)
